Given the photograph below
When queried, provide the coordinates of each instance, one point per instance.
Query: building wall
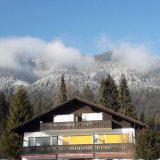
(101, 139)
(85, 139)
(117, 138)
(84, 117)
(124, 135)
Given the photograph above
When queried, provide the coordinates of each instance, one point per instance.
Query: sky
(92, 26)
(70, 32)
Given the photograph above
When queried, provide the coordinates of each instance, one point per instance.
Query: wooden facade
(87, 148)
(75, 125)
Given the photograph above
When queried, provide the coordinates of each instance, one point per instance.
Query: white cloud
(13, 48)
(55, 52)
(139, 57)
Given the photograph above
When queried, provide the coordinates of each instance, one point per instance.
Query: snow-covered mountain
(42, 79)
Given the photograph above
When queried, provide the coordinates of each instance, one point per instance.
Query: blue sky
(80, 23)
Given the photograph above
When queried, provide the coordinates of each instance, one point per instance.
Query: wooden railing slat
(55, 149)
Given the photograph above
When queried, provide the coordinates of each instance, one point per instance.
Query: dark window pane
(31, 141)
(42, 141)
(54, 141)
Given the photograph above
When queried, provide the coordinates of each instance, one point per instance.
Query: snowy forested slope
(42, 80)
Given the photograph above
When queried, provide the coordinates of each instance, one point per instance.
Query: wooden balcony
(89, 148)
(75, 125)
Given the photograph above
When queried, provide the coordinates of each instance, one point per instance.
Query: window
(92, 116)
(95, 139)
(54, 140)
(42, 141)
(31, 141)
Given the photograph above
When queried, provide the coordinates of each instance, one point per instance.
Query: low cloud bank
(14, 50)
(56, 52)
(139, 57)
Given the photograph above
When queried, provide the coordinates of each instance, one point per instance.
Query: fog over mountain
(38, 65)
(13, 50)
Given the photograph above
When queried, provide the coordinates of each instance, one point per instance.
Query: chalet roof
(21, 127)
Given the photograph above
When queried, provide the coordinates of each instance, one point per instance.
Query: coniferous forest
(17, 108)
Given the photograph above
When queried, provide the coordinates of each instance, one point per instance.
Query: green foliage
(3, 116)
(148, 144)
(62, 92)
(11, 143)
(1, 154)
(19, 112)
(149, 120)
(42, 102)
(88, 94)
(40, 106)
(124, 99)
(141, 118)
(108, 93)
(146, 100)
(157, 121)
(3, 111)
(72, 91)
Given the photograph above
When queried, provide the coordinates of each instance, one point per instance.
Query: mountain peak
(107, 56)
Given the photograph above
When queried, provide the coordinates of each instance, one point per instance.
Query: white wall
(64, 118)
(130, 131)
(92, 116)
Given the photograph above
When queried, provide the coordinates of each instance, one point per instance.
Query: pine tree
(102, 93)
(141, 118)
(3, 111)
(148, 144)
(124, 99)
(20, 111)
(38, 106)
(72, 91)
(3, 116)
(87, 94)
(157, 121)
(149, 120)
(41, 104)
(108, 93)
(62, 92)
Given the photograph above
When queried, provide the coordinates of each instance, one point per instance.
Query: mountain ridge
(46, 78)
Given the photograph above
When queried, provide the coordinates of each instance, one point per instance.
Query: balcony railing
(87, 148)
(75, 125)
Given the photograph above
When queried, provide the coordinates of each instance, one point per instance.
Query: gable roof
(21, 127)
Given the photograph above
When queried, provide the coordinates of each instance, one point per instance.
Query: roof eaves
(112, 112)
(43, 114)
(86, 102)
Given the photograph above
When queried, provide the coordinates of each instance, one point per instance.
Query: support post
(56, 156)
